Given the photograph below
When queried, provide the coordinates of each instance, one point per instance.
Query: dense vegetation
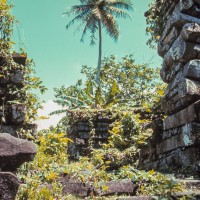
(154, 19)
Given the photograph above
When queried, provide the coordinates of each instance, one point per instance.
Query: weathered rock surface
(16, 114)
(85, 190)
(191, 71)
(179, 94)
(189, 136)
(176, 148)
(80, 133)
(189, 114)
(191, 32)
(177, 20)
(182, 51)
(75, 188)
(117, 187)
(9, 185)
(14, 152)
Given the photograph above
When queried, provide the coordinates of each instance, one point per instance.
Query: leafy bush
(155, 22)
(122, 83)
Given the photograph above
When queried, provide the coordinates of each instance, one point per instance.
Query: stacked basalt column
(178, 145)
(13, 151)
(13, 112)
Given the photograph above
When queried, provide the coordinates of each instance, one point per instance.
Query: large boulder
(9, 185)
(14, 152)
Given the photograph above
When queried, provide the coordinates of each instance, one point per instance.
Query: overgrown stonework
(177, 146)
(89, 129)
(13, 151)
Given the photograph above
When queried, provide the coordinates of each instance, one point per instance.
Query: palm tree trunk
(100, 55)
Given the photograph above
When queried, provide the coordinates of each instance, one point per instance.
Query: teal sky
(58, 53)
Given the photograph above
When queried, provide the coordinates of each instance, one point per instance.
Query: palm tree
(94, 15)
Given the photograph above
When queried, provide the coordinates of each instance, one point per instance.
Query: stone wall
(13, 151)
(88, 134)
(176, 146)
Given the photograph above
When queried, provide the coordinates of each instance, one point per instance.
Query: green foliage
(25, 94)
(49, 163)
(114, 161)
(6, 27)
(122, 84)
(155, 22)
(91, 12)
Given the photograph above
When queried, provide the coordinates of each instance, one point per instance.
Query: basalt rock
(9, 185)
(14, 152)
(176, 148)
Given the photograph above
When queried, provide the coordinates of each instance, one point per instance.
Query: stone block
(14, 152)
(191, 71)
(76, 188)
(16, 78)
(168, 73)
(191, 32)
(15, 114)
(179, 94)
(117, 187)
(177, 20)
(9, 185)
(189, 135)
(14, 130)
(165, 44)
(189, 114)
(181, 51)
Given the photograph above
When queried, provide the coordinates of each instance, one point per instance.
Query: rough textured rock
(84, 190)
(177, 147)
(117, 187)
(80, 133)
(189, 114)
(16, 114)
(75, 188)
(191, 71)
(179, 94)
(14, 152)
(189, 135)
(9, 185)
(136, 198)
(182, 51)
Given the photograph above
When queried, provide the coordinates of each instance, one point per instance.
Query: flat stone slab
(78, 189)
(179, 94)
(189, 114)
(117, 187)
(9, 185)
(14, 152)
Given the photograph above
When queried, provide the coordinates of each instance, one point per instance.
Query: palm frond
(118, 12)
(111, 25)
(123, 4)
(80, 17)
